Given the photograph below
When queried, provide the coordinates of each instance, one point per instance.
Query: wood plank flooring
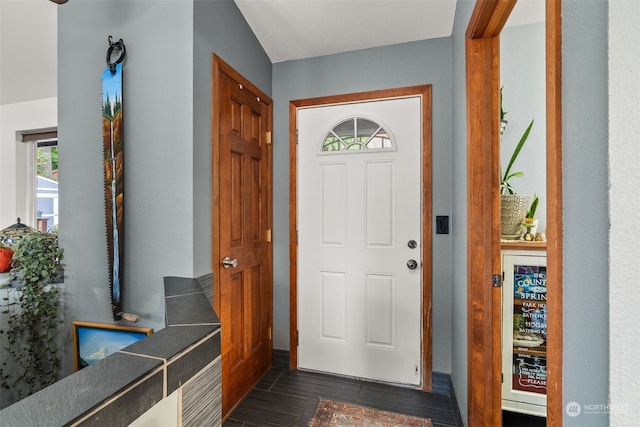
(286, 398)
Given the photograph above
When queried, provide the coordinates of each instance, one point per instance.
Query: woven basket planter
(513, 207)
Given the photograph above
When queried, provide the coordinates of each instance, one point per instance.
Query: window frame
(379, 123)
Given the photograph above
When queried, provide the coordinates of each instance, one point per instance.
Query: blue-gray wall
(585, 199)
(416, 63)
(523, 77)
(459, 376)
(219, 28)
(167, 93)
(157, 104)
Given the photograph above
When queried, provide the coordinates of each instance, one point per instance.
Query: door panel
(334, 325)
(242, 218)
(359, 305)
(380, 200)
(333, 205)
(380, 310)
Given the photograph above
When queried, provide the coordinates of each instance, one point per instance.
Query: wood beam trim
(293, 235)
(483, 208)
(480, 17)
(216, 65)
(483, 25)
(426, 114)
(488, 18)
(555, 407)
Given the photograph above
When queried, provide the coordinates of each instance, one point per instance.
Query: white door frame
(426, 215)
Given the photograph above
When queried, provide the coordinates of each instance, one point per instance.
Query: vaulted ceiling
(295, 29)
(286, 29)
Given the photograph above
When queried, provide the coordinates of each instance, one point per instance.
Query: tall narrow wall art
(113, 160)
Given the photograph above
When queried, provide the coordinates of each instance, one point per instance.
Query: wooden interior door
(242, 253)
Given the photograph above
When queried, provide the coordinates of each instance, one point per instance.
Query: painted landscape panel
(95, 341)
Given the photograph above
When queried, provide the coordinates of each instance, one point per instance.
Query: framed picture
(95, 341)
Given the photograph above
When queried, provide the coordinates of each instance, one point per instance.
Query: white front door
(359, 210)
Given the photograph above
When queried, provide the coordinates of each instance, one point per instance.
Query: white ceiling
(296, 29)
(286, 29)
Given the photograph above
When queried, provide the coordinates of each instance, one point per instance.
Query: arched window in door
(356, 134)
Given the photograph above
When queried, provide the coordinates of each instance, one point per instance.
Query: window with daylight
(356, 134)
(45, 188)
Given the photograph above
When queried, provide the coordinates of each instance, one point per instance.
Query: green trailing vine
(30, 307)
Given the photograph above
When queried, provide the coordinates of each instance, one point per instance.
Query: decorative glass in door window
(357, 134)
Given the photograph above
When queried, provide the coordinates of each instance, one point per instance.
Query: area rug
(330, 413)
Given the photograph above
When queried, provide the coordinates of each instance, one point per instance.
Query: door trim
(483, 251)
(425, 92)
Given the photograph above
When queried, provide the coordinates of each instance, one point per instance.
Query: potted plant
(6, 253)
(30, 308)
(513, 206)
(529, 222)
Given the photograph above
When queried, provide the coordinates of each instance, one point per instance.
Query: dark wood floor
(512, 419)
(287, 398)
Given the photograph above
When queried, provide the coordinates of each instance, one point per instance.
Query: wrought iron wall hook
(119, 49)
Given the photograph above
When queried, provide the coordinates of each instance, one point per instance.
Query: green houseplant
(513, 206)
(505, 182)
(531, 212)
(30, 307)
(529, 222)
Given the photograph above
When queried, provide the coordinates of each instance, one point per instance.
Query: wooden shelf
(523, 244)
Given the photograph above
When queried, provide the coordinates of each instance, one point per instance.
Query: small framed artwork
(95, 341)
